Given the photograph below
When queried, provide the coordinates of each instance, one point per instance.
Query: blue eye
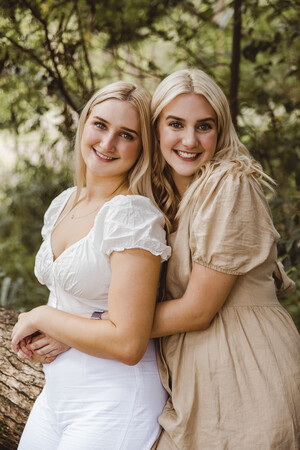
(100, 125)
(175, 124)
(205, 127)
(127, 136)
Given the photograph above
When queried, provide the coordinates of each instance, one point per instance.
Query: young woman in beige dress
(236, 383)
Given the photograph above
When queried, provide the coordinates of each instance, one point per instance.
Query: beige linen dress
(234, 386)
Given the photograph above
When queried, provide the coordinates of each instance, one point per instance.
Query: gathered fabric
(236, 385)
(89, 403)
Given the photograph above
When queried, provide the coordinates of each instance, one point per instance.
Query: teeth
(186, 155)
(102, 156)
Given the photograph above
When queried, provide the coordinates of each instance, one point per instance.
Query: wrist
(38, 314)
(97, 314)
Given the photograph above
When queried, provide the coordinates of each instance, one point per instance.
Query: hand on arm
(131, 308)
(40, 348)
(205, 294)
(45, 345)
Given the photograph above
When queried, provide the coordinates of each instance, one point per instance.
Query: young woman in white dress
(102, 249)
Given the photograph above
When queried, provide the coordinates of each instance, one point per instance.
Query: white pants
(91, 403)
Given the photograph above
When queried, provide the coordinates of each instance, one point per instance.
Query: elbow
(131, 361)
(202, 322)
(205, 324)
(132, 353)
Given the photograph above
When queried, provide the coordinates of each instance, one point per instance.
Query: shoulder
(231, 223)
(55, 208)
(231, 195)
(138, 201)
(132, 206)
(228, 182)
(131, 221)
(231, 173)
(59, 202)
(62, 198)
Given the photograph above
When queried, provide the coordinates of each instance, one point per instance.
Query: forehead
(117, 112)
(189, 107)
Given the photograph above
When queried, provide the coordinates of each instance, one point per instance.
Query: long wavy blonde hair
(139, 176)
(229, 147)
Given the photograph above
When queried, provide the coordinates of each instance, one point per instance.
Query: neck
(105, 189)
(182, 183)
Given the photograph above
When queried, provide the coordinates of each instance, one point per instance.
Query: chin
(187, 172)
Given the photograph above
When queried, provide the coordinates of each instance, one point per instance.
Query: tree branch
(144, 72)
(56, 71)
(87, 60)
(235, 61)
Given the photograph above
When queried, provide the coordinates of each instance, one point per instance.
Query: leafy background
(55, 54)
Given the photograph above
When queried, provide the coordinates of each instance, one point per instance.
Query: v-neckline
(54, 259)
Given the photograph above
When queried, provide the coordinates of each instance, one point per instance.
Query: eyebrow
(206, 119)
(123, 128)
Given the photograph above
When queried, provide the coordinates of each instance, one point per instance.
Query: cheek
(167, 139)
(209, 142)
(164, 147)
(132, 152)
(90, 135)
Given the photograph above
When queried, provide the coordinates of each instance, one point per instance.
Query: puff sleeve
(232, 229)
(129, 222)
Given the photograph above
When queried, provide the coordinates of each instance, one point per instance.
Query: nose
(189, 139)
(108, 142)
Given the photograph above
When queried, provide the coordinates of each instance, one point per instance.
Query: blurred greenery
(54, 54)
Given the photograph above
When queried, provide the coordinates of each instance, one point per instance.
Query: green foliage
(54, 54)
(286, 213)
(21, 220)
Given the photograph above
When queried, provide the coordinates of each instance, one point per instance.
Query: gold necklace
(94, 210)
(81, 217)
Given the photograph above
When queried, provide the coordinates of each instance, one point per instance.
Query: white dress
(88, 402)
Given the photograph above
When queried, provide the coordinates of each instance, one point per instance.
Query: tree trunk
(20, 383)
(235, 61)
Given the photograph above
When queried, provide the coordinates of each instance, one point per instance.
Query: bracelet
(97, 314)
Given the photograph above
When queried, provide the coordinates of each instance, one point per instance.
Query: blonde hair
(228, 148)
(139, 176)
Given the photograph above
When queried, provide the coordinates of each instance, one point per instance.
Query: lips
(102, 156)
(187, 156)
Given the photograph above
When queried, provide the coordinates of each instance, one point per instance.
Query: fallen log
(20, 383)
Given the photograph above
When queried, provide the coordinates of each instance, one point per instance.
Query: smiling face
(187, 131)
(111, 139)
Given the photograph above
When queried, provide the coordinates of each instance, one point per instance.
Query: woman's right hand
(41, 348)
(44, 345)
(35, 357)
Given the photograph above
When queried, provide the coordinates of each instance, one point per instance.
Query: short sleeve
(54, 210)
(232, 229)
(128, 222)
